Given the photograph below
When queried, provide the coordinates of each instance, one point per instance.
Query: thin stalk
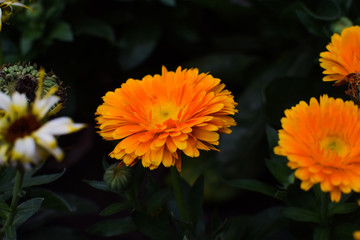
(175, 179)
(324, 208)
(15, 197)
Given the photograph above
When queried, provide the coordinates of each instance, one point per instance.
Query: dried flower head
(321, 142)
(160, 116)
(25, 79)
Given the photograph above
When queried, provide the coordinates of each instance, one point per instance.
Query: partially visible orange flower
(343, 56)
(356, 235)
(160, 116)
(321, 141)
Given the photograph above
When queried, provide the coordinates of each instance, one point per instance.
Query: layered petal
(321, 142)
(342, 56)
(159, 116)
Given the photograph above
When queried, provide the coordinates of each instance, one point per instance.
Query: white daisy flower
(26, 134)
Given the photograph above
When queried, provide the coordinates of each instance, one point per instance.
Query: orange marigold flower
(159, 116)
(321, 141)
(343, 56)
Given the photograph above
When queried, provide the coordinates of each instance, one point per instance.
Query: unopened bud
(118, 178)
(340, 24)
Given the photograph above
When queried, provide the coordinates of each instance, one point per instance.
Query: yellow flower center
(335, 144)
(22, 127)
(164, 111)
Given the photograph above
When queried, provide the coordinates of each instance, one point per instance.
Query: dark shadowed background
(265, 51)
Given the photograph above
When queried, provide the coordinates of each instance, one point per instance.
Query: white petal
(43, 105)
(43, 138)
(5, 101)
(19, 99)
(57, 153)
(18, 4)
(24, 149)
(49, 143)
(19, 105)
(60, 126)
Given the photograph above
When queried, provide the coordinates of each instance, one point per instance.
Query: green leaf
(264, 223)
(327, 10)
(94, 27)
(26, 209)
(342, 208)
(51, 200)
(153, 227)
(113, 227)
(4, 209)
(277, 165)
(62, 31)
(101, 185)
(10, 233)
(157, 200)
(256, 186)
(321, 233)
(219, 230)
(82, 205)
(235, 228)
(115, 208)
(301, 214)
(272, 138)
(309, 23)
(42, 179)
(279, 169)
(137, 44)
(346, 4)
(29, 180)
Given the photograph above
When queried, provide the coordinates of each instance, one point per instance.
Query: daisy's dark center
(27, 85)
(22, 127)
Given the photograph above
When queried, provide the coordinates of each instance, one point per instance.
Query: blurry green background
(265, 51)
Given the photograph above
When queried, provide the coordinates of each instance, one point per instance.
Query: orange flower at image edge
(341, 61)
(356, 235)
(159, 116)
(321, 141)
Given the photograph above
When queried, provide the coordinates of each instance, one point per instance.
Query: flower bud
(118, 178)
(340, 24)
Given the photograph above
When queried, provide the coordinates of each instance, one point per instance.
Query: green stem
(15, 197)
(175, 179)
(324, 209)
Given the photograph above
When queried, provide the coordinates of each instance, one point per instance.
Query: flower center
(164, 111)
(335, 144)
(22, 127)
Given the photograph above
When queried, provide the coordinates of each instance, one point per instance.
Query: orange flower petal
(159, 116)
(320, 142)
